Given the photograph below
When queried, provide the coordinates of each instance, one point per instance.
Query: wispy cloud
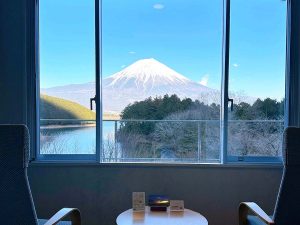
(204, 80)
(131, 52)
(158, 6)
(235, 65)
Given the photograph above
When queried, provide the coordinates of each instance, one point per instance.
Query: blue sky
(186, 35)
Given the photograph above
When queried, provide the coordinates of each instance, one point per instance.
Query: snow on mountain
(140, 80)
(145, 74)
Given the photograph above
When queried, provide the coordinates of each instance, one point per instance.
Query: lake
(79, 139)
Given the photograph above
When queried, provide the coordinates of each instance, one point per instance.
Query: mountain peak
(148, 72)
(143, 79)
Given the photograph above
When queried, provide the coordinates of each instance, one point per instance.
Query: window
(67, 72)
(140, 81)
(256, 79)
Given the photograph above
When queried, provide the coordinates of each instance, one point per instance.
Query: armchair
(287, 205)
(16, 203)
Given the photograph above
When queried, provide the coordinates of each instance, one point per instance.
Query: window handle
(91, 102)
(231, 105)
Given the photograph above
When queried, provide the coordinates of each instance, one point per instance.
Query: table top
(187, 217)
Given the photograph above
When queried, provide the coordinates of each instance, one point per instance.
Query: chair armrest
(73, 213)
(243, 212)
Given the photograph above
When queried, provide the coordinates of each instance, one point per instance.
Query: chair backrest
(16, 204)
(287, 205)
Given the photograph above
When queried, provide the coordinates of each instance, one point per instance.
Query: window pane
(257, 77)
(161, 70)
(67, 77)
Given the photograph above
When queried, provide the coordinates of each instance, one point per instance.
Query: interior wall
(13, 61)
(103, 192)
(292, 84)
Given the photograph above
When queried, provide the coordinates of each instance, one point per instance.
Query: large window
(141, 81)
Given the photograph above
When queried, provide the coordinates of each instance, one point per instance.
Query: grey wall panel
(12, 61)
(292, 90)
(102, 192)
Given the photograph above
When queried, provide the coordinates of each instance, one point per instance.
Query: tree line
(182, 139)
(159, 108)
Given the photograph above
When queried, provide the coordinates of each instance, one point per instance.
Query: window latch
(91, 102)
(231, 105)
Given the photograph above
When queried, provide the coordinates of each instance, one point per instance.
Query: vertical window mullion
(37, 81)
(98, 80)
(225, 77)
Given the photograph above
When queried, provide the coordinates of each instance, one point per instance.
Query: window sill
(160, 165)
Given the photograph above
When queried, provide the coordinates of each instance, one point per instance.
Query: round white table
(187, 217)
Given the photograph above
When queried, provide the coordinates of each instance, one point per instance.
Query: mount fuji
(140, 80)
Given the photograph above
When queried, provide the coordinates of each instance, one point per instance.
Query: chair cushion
(43, 221)
(254, 220)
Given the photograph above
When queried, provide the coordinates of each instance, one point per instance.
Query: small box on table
(158, 202)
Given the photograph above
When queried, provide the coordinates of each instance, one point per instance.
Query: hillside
(58, 108)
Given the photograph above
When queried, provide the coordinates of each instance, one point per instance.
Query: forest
(172, 128)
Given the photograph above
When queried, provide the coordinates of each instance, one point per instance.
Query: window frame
(34, 94)
(225, 157)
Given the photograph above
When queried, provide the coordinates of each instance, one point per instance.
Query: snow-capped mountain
(140, 80)
(146, 74)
